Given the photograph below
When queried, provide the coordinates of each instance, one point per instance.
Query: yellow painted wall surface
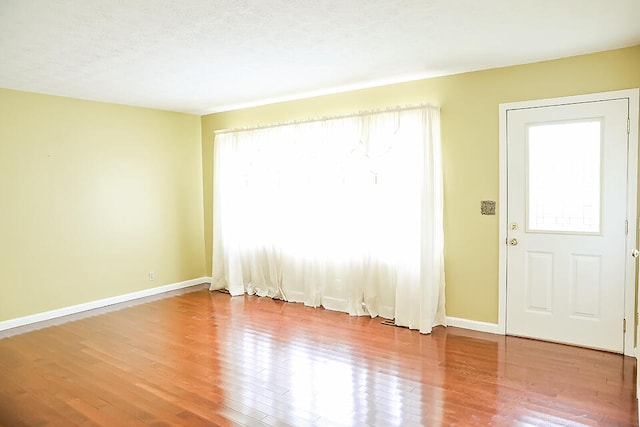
(93, 197)
(469, 120)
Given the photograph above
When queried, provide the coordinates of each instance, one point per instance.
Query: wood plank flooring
(204, 358)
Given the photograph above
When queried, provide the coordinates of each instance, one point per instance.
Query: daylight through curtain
(343, 212)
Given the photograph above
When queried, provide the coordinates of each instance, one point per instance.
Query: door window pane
(564, 176)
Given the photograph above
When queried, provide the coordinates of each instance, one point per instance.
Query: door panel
(586, 286)
(539, 281)
(566, 192)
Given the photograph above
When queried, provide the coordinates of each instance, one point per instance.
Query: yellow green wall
(469, 121)
(93, 197)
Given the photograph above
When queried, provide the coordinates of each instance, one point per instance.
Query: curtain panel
(343, 212)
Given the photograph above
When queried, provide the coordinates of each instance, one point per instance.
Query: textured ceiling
(202, 56)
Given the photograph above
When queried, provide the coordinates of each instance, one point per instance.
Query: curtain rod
(330, 117)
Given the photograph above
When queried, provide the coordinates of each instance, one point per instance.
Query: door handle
(635, 253)
(513, 242)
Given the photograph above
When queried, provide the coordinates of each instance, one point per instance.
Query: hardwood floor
(204, 358)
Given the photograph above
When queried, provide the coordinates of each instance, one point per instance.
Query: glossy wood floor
(204, 358)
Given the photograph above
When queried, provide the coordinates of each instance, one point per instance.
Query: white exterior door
(567, 224)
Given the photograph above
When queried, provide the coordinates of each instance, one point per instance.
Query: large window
(343, 212)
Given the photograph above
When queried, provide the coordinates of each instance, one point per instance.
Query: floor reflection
(204, 358)
(312, 371)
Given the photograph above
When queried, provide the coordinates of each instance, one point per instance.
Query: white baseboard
(474, 325)
(66, 311)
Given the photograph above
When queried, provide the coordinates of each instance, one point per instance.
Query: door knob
(635, 253)
(513, 242)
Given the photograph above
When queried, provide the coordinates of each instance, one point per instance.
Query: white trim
(474, 325)
(66, 311)
(632, 184)
(632, 218)
(502, 221)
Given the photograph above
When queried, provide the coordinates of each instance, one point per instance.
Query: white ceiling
(203, 56)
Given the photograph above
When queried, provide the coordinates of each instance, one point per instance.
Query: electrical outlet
(152, 276)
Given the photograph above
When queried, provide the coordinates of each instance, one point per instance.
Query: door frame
(632, 201)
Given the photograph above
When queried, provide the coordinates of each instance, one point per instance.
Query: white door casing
(577, 285)
(566, 212)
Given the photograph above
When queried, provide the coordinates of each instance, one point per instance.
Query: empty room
(319, 213)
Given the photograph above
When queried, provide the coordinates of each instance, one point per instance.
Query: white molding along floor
(474, 325)
(49, 318)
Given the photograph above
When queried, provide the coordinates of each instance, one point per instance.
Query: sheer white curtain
(343, 212)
